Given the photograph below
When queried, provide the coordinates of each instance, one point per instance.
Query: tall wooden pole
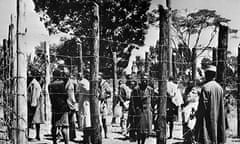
(163, 75)
(47, 81)
(21, 75)
(194, 64)
(5, 60)
(174, 65)
(238, 96)
(115, 83)
(147, 65)
(11, 60)
(94, 69)
(222, 54)
(214, 56)
(4, 97)
(138, 63)
(80, 64)
(13, 73)
(170, 49)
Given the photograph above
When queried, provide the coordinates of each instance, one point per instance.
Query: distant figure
(189, 109)
(210, 125)
(132, 120)
(60, 109)
(172, 109)
(141, 102)
(105, 92)
(70, 88)
(35, 105)
(124, 97)
(84, 114)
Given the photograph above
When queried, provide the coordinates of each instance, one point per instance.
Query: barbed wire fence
(182, 68)
(8, 92)
(8, 114)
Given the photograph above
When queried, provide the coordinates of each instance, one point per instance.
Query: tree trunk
(94, 69)
(163, 75)
(194, 64)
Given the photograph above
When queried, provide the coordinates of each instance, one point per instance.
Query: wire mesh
(182, 68)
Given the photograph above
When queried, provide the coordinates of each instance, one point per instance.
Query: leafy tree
(123, 25)
(187, 29)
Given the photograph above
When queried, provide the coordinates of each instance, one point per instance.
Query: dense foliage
(123, 25)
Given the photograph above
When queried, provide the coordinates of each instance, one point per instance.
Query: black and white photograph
(119, 72)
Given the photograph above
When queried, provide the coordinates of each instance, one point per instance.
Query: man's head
(100, 76)
(80, 76)
(171, 78)
(57, 74)
(144, 79)
(61, 74)
(210, 72)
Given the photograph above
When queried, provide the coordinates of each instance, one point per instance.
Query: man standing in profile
(210, 125)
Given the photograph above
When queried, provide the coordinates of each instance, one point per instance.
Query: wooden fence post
(163, 75)
(21, 75)
(194, 64)
(79, 48)
(222, 54)
(94, 69)
(238, 96)
(147, 65)
(214, 56)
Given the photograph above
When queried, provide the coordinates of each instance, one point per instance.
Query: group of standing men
(70, 104)
(69, 96)
(204, 109)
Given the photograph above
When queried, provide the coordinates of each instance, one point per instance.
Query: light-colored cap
(211, 68)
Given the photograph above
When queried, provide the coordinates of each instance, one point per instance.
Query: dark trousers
(72, 127)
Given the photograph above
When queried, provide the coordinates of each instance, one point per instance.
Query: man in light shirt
(83, 99)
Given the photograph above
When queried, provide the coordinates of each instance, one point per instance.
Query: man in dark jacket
(141, 101)
(210, 125)
(60, 109)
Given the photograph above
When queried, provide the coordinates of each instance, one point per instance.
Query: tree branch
(180, 35)
(188, 39)
(198, 36)
(209, 42)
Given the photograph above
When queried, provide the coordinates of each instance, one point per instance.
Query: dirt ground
(115, 136)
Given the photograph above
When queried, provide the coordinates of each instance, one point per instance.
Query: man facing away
(60, 108)
(210, 125)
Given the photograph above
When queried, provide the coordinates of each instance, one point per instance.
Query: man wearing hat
(210, 125)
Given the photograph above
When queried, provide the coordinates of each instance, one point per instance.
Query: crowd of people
(136, 103)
